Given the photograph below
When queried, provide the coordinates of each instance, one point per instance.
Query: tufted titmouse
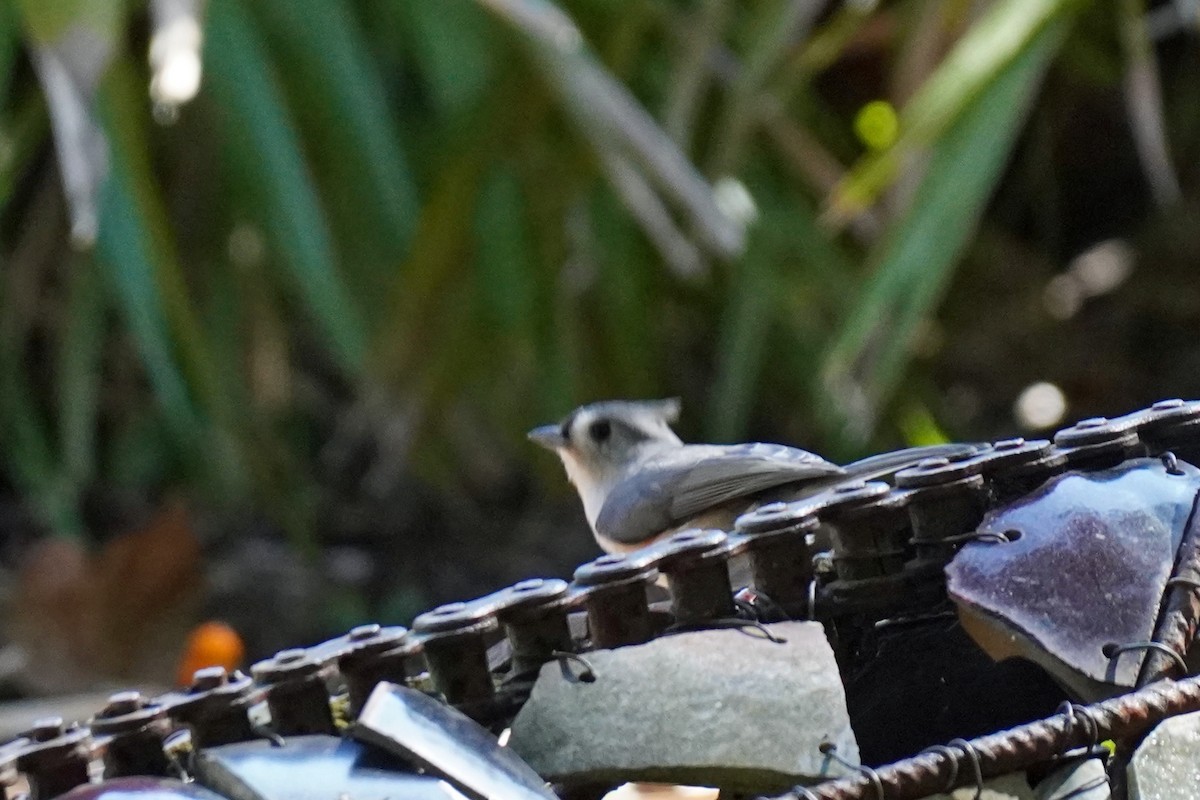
(639, 481)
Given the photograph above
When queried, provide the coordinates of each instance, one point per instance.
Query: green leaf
(29, 454)
(79, 370)
(10, 46)
(26, 444)
(151, 290)
(987, 53)
(126, 248)
(262, 137)
(451, 41)
(26, 131)
(771, 304)
(626, 322)
(438, 256)
(503, 253)
(742, 345)
(916, 258)
(341, 103)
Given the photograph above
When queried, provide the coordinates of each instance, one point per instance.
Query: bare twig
(691, 76)
(1143, 98)
(803, 152)
(737, 118)
(613, 120)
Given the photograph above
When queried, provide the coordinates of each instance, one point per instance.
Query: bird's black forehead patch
(568, 423)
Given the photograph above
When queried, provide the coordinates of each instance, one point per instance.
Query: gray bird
(639, 482)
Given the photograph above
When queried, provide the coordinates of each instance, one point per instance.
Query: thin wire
(589, 672)
(1171, 463)
(728, 622)
(972, 536)
(1094, 783)
(263, 732)
(1180, 580)
(1158, 646)
(951, 759)
(768, 606)
(829, 749)
(1074, 712)
(976, 764)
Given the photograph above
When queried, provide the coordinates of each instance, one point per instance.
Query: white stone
(1166, 766)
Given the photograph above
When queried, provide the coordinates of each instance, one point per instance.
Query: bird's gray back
(668, 487)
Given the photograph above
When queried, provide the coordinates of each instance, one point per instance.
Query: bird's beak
(548, 436)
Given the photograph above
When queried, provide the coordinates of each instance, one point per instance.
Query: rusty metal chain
(889, 544)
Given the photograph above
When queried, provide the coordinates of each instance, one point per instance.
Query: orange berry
(211, 644)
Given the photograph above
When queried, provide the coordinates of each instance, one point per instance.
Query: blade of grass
(151, 288)
(262, 137)
(342, 105)
(10, 46)
(79, 370)
(26, 132)
(790, 265)
(503, 256)
(507, 282)
(632, 345)
(125, 249)
(126, 115)
(742, 344)
(983, 56)
(915, 260)
(438, 255)
(690, 77)
(26, 446)
(434, 265)
(677, 251)
(451, 43)
(29, 453)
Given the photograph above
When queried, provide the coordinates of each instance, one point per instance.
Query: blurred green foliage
(430, 224)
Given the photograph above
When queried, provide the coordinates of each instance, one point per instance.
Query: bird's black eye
(600, 430)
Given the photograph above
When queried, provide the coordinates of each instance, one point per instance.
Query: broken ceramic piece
(1082, 572)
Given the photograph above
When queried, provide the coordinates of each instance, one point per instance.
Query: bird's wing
(885, 465)
(675, 485)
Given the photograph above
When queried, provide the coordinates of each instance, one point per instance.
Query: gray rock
(1167, 764)
(724, 708)
(1085, 780)
(1006, 787)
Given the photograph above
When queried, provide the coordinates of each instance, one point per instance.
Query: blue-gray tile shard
(1084, 571)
